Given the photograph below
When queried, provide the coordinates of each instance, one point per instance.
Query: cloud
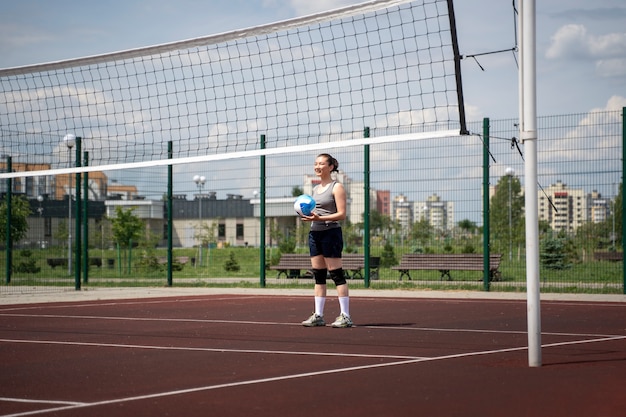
(614, 103)
(611, 68)
(574, 42)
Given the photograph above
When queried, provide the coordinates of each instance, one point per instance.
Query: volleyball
(304, 205)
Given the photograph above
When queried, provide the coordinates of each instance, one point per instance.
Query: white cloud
(607, 51)
(574, 41)
(611, 67)
(614, 103)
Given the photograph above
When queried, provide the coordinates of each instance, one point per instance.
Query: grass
(585, 277)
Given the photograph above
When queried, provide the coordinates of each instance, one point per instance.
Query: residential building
(568, 210)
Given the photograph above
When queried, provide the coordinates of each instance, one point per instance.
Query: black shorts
(328, 243)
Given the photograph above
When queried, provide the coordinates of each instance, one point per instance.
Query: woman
(326, 242)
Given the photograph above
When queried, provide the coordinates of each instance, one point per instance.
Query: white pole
(528, 135)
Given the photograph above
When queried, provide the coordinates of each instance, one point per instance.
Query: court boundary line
(275, 323)
(295, 376)
(207, 349)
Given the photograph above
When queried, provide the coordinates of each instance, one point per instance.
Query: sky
(581, 45)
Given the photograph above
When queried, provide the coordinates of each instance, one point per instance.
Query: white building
(569, 210)
(438, 213)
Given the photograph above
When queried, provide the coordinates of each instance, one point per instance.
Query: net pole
(486, 211)
(9, 245)
(262, 217)
(528, 134)
(366, 209)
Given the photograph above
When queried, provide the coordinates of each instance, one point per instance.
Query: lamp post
(40, 211)
(199, 180)
(255, 194)
(613, 235)
(70, 141)
(510, 172)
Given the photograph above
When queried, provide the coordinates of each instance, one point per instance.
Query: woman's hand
(314, 217)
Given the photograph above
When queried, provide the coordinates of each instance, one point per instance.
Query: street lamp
(70, 141)
(200, 180)
(40, 211)
(255, 193)
(510, 172)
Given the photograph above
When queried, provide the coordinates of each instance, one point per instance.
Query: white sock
(344, 305)
(319, 305)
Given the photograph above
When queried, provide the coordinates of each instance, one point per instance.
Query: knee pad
(320, 276)
(337, 275)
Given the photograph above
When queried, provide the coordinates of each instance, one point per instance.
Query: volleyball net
(304, 84)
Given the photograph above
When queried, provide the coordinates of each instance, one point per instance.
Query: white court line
(205, 349)
(29, 401)
(171, 299)
(272, 323)
(288, 377)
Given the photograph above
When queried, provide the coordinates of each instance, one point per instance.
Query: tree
(469, 227)
(421, 231)
(296, 191)
(127, 228)
(206, 233)
(553, 252)
(20, 210)
(500, 229)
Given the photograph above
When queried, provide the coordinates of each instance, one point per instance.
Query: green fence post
(86, 221)
(77, 241)
(9, 243)
(366, 209)
(262, 216)
(486, 247)
(170, 196)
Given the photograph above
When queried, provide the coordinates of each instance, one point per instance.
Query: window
(221, 231)
(239, 231)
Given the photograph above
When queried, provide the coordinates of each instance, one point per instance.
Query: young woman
(326, 242)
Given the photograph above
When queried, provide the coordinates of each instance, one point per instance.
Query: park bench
(609, 256)
(444, 263)
(54, 262)
(178, 262)
(291, 264)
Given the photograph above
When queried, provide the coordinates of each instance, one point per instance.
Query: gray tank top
(324, 205)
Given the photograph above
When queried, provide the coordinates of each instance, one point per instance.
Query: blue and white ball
(304, 205)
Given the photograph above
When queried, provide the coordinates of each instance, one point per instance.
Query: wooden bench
(54, 262)
(177, 262)
(179, 259)
(95, 262)
(291, 264)
(354, 263)
(444, 263)
(609, 256)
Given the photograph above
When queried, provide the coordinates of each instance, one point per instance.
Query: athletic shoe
(314, 320)
(342, 321)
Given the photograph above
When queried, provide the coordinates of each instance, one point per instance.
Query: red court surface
(248, 355)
